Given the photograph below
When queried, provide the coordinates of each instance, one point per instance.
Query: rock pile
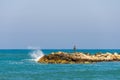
(69, 58)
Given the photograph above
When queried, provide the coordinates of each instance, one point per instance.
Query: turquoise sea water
(19, 65)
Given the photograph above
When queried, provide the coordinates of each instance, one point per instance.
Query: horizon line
(53, 48)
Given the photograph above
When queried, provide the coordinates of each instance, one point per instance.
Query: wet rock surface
(78, 57)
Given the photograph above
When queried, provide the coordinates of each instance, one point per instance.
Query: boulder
(70, 58)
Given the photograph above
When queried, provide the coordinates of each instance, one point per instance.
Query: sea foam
(36, 55)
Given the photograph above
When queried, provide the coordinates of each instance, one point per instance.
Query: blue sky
(59, 23)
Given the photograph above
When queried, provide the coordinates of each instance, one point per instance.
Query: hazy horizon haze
(88, 24)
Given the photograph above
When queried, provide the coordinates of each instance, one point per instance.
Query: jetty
(78, 57)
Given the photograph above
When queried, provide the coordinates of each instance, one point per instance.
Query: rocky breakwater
(71, 58)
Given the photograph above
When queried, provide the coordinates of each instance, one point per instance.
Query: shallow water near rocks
(19, 65)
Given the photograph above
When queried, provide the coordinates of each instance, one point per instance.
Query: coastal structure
(74, 48)
(78, 57)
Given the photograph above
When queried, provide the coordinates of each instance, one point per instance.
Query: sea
(21, 64)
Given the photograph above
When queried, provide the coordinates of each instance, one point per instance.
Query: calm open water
(19, 65)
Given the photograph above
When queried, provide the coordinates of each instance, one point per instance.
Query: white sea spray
(36, 55)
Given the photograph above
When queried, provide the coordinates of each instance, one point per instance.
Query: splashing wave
(36, 55)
